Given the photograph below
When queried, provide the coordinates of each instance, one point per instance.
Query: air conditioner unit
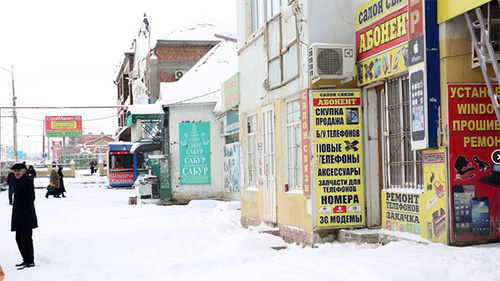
(331, 61)
(179, 74)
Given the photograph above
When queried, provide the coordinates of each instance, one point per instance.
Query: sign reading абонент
(63, 126)
(338, 158)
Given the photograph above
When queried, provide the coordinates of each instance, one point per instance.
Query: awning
(145, 145)
(145, 112)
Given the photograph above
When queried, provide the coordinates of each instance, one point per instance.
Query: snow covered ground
(94, 234)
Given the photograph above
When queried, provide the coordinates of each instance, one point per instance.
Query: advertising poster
(232, 167)
(392, 62)
(338, 161)
(57, 149)
(434, 224)
(401, 211)
(230, 92)
(474, 164)
(63, 126)
(194, 151)
(381, 40)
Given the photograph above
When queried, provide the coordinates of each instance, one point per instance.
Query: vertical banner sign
(433, 210)
(338, 158)
(260, 150)
(57, 149)
(232, 167)
(424, 73)
(230, 92)
(194, 151)
(474, 164)
(305, 143)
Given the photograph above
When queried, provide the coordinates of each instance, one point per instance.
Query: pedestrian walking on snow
(24, 218)
(54, 182)
(31, 173)
(11, 182)
(62, 188)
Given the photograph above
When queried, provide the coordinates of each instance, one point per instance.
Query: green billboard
(194, 152)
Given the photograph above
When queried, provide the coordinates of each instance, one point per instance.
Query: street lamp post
(14, 117)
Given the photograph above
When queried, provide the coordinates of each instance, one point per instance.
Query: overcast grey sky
(66, 53)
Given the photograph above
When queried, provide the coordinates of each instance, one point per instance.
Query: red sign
(385, 34)
(416, 18)
(327, 102)
(340, 209)
(121, 178)
(304, 129)
(474, 175)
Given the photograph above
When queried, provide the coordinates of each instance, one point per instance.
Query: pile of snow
(94, 234)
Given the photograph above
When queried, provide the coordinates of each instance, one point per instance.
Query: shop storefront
(124, 166)
(438, 144)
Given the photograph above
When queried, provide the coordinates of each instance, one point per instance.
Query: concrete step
(377, 236)
(359, 236)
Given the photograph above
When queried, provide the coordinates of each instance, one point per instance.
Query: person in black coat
(31, 173)
(24, 218)
(11, 183)
(62, 189)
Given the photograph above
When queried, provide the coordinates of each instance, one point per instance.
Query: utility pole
(14, 117)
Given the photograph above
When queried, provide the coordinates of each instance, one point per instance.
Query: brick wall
(166, 78)
(178, 52)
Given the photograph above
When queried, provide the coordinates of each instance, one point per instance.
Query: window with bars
(403, 166)
(252, 152)
(294, 161)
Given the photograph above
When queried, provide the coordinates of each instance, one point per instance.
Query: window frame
(403, 166)
(284, 49)
(252, 151)
(293, 175)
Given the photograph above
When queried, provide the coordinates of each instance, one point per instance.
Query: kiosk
(124, 166)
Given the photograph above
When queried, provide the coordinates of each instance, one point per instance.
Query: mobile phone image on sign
(480, 217)
(417, 105)
(352, 116)
(462, 208)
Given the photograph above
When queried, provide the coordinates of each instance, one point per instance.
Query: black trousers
(25, 244)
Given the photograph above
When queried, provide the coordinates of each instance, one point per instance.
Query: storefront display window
(403, 166)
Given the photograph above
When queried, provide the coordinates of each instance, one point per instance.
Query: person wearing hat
(24, 218)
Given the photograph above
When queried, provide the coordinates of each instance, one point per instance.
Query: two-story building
(370, 114)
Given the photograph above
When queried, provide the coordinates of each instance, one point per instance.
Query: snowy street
(94, 234)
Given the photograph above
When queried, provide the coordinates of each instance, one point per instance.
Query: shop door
(269, 163)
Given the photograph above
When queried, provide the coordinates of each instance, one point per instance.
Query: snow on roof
(155, 108)
(203, 82)
(202, 29)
